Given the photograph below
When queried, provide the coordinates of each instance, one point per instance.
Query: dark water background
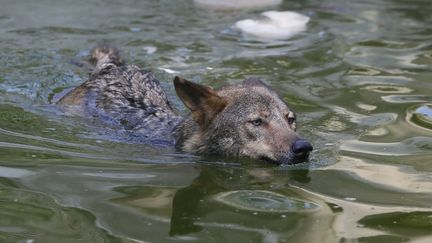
(359, 79)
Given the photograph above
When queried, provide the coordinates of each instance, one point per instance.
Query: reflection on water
(358, 78)
(420, 116)
(28, 216)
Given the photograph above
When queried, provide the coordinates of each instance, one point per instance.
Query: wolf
(248, 119)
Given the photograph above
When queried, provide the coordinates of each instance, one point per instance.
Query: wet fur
(221, 121)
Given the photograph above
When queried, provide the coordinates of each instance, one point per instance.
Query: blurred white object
(276, 25)
(150, 49)
(236, 4)
(167, 70)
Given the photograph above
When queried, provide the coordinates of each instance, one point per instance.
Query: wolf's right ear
(203, 101)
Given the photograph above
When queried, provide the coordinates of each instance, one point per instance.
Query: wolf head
(243, 120)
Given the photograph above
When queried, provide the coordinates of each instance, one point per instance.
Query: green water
(359, 79)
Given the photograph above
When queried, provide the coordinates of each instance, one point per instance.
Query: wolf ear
(203, 102)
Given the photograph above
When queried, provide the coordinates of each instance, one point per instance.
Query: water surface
(359, 79)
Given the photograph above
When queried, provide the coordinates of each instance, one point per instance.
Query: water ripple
(398, 99)
(53, 151)
(264, 201)
(49, 140)
(411, 146)
(396, 177)
(369, 120)
(57, 30)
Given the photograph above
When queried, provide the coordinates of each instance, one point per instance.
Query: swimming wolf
(248, 119)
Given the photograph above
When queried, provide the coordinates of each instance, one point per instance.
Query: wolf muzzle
(299, 153)
(301, 149)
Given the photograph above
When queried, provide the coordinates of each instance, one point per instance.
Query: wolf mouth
(287, 160)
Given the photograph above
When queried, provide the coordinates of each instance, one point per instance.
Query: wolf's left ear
(203, 101)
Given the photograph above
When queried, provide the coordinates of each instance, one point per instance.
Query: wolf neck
(188, 137)
(171, 130)
(158, 131)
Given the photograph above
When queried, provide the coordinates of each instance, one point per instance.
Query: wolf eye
(291, 120)
(257, 122)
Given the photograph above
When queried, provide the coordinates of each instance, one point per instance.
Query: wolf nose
(301, 147)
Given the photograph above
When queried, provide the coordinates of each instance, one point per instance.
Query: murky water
(359, 78)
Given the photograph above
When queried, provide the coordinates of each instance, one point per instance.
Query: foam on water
(275, 26)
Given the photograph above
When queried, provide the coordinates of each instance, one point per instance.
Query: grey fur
(126, 96)
(242, 120)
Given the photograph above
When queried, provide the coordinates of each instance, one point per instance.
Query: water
(359, 78)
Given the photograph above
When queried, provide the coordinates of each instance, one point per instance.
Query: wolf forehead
(255, 97)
